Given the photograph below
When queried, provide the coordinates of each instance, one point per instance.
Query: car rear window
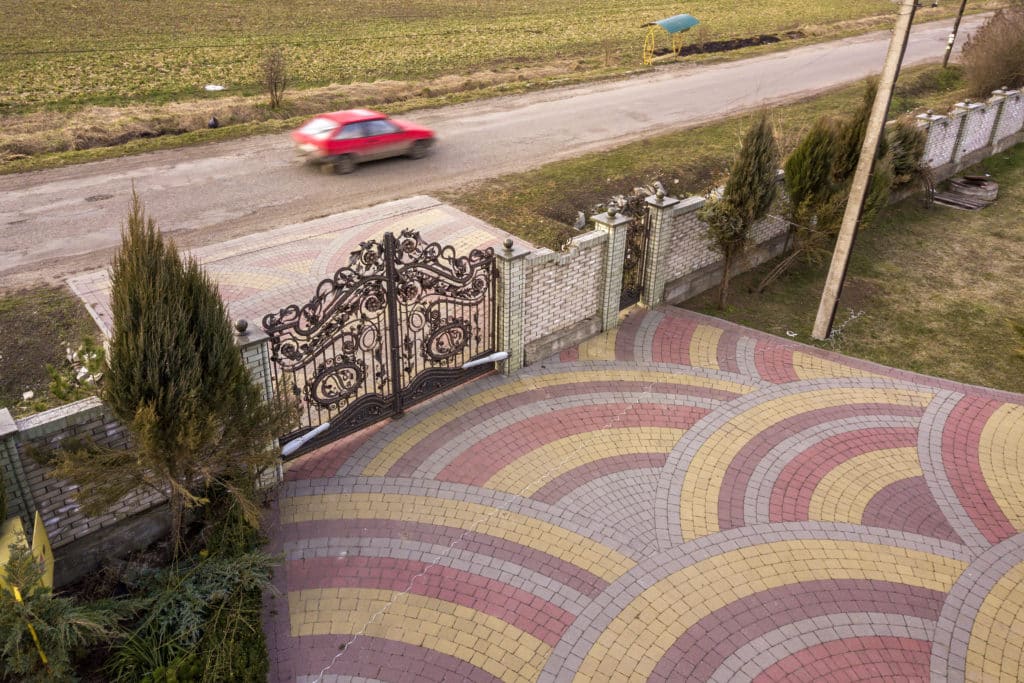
(319, 128)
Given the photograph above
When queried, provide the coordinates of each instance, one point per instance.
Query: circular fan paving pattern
(680, 499)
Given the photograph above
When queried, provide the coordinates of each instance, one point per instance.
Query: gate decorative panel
(633, 260)
(391, 328)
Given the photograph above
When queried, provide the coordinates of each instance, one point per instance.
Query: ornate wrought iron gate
(391, 328)
(633, 261)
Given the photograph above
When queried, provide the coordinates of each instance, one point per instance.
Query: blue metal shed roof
(678, 23)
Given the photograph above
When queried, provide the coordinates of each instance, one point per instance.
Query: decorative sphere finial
(507, 243)
(241, 325)
(612, 212)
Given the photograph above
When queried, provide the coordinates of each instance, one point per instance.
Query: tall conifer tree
(177, 381)
(749, 192)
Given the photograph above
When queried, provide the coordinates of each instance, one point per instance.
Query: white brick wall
(689, 250)
(977, 128)
(991, 122)
(564, 288)
(942, 132)
(1012, 119)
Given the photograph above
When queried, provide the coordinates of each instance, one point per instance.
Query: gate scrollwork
(390, 328)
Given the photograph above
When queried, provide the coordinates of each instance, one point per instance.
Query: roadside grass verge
(39, 325)
(539, 206)
(930, 289)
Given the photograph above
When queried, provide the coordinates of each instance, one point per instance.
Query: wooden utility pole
(952, 36)
(862, 176)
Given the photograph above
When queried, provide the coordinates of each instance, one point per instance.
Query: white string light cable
(498, 511)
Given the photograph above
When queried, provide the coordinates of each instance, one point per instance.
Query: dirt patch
(39, 325)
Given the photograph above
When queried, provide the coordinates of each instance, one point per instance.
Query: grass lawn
(930, 289)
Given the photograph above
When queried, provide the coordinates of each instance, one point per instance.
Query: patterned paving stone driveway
(679, 500)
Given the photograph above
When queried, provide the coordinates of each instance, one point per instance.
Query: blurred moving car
(342, 139)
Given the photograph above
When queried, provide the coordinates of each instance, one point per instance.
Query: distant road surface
(60, 221)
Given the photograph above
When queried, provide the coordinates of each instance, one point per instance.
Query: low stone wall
(29, 483)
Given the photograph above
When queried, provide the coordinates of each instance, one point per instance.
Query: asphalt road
(60, 221)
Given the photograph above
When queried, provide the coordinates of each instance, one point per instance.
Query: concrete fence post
(661, 210)
(511, 304)
(615, 226)
(1009, 120)
(17, 490)
(998, 100)
(964, 111)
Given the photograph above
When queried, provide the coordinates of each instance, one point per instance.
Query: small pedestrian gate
(635, 257)
(391, 328)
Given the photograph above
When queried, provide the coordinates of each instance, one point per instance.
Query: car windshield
(319, 128)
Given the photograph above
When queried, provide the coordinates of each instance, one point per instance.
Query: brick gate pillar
(511, 304)
(615, 226)
(661, 210)
(254, 345)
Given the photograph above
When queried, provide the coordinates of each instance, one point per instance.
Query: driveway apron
(680, 499)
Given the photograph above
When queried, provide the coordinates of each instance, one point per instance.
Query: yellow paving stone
(417, 220)
(261, 280)
(533, 470)
(704, 347)
(994, 649)
(569, 546)
(843, 494)
(601, 347)
(302, 267)
(394, 451)
(807, 366)
(1001, 452)
(694, 589)
(706, 473)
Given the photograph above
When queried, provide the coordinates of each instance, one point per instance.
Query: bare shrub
(994, 56)
(275, 76)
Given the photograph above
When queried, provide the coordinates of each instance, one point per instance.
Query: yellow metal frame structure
(651, 43)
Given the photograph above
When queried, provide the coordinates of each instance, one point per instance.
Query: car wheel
(419, 149)
(344, 164)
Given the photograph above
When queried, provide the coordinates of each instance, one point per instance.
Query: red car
(342, 139)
